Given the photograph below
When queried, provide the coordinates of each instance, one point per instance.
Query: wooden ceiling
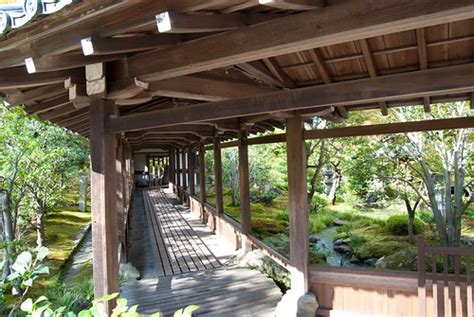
(205, 68)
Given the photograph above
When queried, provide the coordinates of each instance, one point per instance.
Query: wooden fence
(451, 289)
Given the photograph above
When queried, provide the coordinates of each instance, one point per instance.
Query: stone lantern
(328, 180)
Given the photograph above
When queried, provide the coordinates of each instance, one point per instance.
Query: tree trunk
(40, 233)
(7, 233)
(411, 220)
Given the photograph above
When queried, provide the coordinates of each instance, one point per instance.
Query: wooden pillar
(218, 177)
(178, 170)
(202, 176)
(103, 202)
(184, 169)
(171, 170)
(298, 204)
(245, 216)
(191, 170)
(120, 190)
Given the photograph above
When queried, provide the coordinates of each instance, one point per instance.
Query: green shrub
(265, 227)
(372, 248)
(316, 258)
(318, 203)
(398, 225)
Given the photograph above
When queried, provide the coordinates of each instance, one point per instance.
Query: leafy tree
(440, 161)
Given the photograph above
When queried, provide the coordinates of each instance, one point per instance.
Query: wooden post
(245, 216)
(120, 190)
(191, 170)
(202, 177)
(178, 171)
(298, 204)
(103, 202)
(184, 171)
(218, 177)
(171, 170)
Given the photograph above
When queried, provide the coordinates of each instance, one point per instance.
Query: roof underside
(53, 44)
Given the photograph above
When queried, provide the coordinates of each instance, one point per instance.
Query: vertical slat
(184, 170)
(202, 177)
(457, 285)
(469, 286)
(421, 278)
(178, 170)
(447, 309)
(191, 170)
(218, 177)
(171, 170)
(435, 285)
(297, 204)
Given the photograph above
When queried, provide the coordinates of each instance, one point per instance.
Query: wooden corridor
(177, 248)
(185, 270)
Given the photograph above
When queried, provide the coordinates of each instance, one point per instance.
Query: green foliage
(318, 203)
(398, 225)
(315, 257)
(264, 197)
(264, 227)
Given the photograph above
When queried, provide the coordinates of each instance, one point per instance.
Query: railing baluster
(468, 286)
(421, 278)
(447, 310)
(457, 285)
(435, 285)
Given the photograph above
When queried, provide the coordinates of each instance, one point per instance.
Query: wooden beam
(126, 88)
(426, 104)
(48, 105)
(112, 18)
(18, 77)
(34, 94)
(58, 111)
(120, 45)
(245, 211)
(258, 71)
(297, 205)
(450, 80)
(422, 50)
(218, 177)
(103, 203)
(294, 4)
(337, 23)
(171, 22)
(54, 63)
(369, 63)
(205, 89)
(471, 100)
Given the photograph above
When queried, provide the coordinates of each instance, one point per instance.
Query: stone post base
(297, 305)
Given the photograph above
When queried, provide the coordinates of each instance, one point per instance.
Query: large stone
(339, 222)
(404, 260)
(469, 241)
(371, 261)
(342, 241)
(296, 305)
(128, 272)
(313, 238)
(254, 258)
(343, 248)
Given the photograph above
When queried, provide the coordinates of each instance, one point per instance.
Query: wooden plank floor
(218, 292)
(188, 273)
(177, 248)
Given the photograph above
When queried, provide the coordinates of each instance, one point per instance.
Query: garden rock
(405, 260)
(342, 241)
(469, 241)
(354, 259)
(295, 305)
(340, 222)
(128, 272)
(254, 258)
(313, 239)
(371, 262)
(343, 248)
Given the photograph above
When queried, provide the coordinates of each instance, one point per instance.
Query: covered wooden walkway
(185, 269)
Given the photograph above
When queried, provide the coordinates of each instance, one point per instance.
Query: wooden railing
(442, 284)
